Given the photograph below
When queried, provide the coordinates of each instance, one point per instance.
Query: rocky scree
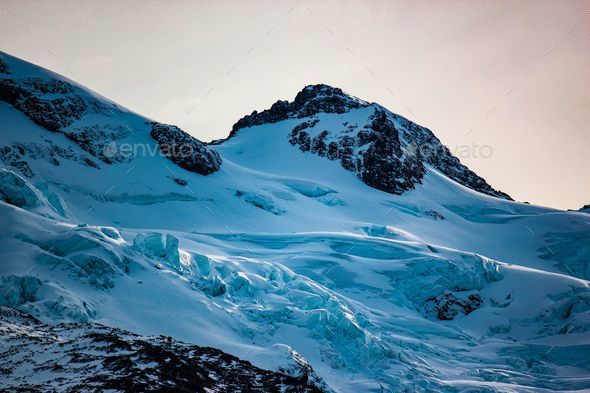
(51, 103)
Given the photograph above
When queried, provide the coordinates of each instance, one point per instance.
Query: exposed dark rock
(55, 105)
(382, 156)
(99, 141)
(310, 101)
(50, 103)
(303, 141)
(385, 166)
(300, 127)
(88, 162)
(433, 152)
(447, 306)
(10, 157)
(180, 182)
(345, 152)
(374, 153)
(332, 150)
(92, 357)
(17, 154)
(380, 159)
(318, 145)
(434, 214)
(185, 151)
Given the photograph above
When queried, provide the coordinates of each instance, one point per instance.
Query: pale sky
(504, 84)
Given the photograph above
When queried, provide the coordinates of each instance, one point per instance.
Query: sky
(504, 84)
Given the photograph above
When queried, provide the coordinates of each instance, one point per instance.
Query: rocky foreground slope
(91, 357)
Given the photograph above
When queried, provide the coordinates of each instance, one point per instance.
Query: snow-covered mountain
(325, 236)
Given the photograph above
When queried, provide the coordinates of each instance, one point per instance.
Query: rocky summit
(384, 150)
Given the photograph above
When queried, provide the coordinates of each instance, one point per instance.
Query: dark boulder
(447, 306)
(185, 151)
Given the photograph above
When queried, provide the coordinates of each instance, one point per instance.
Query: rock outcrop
(310, 101)
(185, 151)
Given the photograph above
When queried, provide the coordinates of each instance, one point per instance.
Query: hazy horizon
(503, 84)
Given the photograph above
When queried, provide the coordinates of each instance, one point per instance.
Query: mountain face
(329, 242)
(387, 152)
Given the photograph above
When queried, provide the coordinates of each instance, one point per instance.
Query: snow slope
(275, 252)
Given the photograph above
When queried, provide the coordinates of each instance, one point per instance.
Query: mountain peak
(310, 101)
(386, 151)
(319, 91)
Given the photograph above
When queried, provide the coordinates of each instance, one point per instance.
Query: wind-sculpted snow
(358, 302)
(260, 201)
(18, 192)
(571, 252)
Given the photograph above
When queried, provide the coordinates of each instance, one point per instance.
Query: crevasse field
(282, 254)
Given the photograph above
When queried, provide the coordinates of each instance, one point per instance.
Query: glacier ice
(17, 191)
(161, 246)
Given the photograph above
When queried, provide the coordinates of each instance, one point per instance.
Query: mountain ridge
(375, 155)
